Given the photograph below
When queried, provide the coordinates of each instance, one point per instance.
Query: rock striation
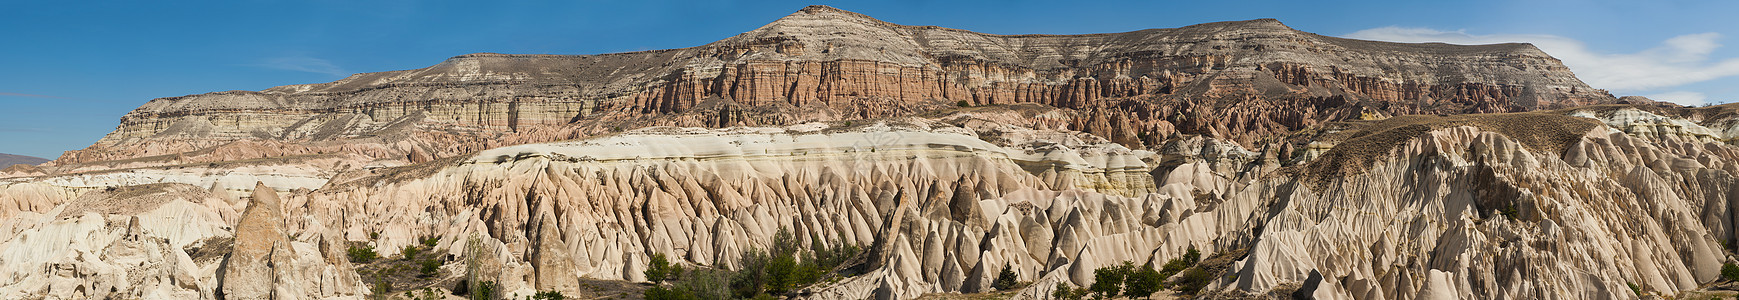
(1300, 165)
(823, 64)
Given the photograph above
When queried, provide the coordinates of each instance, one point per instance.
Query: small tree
(410, 252)
(1142, 282)
(660, 269)
(1108, 281)
(963, 103)
(1006, 279)
(429, 267)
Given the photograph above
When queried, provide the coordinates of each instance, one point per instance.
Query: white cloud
(1677, 61)
(303, 64)
(1681, 97)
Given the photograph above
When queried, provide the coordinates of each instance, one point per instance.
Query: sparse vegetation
(1006, 279)
(415, 271)
(548, 295)
(485, 290)
(1108, 281)
(1142, 282)
(660, 269)
(410, 252)
(1730, 271)
(1192, 281)
(362, 254)
(380, 288)
(428, 267)
(1175, 265)
(1128, 280)
(1063, 291)
(424, 294)
(963, 103)
(762, 274)
(473, 286)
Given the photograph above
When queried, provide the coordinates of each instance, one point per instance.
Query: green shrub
(485, 291)
(781, 274)
(1108, 281)
(1634, 289)
(660, 269)
(430, 242)
(1730, 271)
(1142, 282)
(963, 103)
(429, 267)
(380, 287)
(1065, 292)
(698, 284)
(752, 276)
(1006, 279)
(362, 254)
(783, 268)
(1176, 265)
(410, 252)
(548, 295)
(1193, 280)
(424, 294)
(667, 293)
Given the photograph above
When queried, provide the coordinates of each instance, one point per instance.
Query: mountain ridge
(7, 160)
(1297, 164)
(824, 64)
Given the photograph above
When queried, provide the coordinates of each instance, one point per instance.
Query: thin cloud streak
(302, 63)
(1676, 61)
(1682, 98)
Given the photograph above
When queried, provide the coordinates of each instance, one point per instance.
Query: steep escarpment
(1297, 164)
(825, 64)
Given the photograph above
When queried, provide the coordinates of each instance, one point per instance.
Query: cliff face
(1300, 164)
(819, 64)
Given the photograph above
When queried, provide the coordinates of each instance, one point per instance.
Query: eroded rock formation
(1328, 167)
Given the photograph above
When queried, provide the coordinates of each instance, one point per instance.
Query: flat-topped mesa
(1248, 81)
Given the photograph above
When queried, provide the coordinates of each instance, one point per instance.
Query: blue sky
(70, 69)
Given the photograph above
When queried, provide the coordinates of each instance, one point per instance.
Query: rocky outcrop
(1302, 164)
(261, 244)
(825, 64)
(125, 242)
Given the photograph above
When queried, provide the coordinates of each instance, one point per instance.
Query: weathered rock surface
(1361, 170)
(1259, 79)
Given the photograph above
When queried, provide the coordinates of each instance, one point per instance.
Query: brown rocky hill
(7, 160)
(1256, 80)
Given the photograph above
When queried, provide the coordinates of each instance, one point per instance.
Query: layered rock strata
(823, 64)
